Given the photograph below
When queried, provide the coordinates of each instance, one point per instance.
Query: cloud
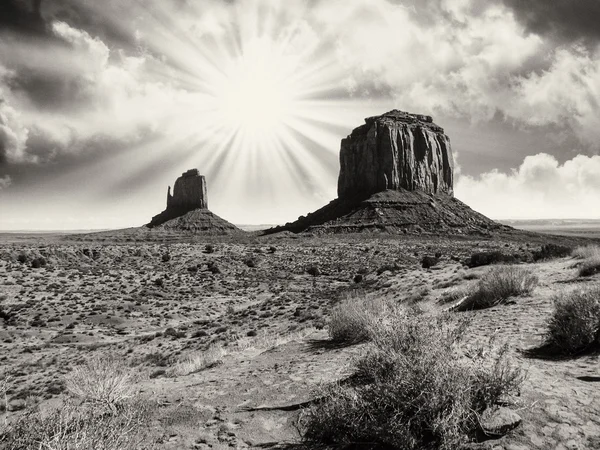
(563, 19)
(567, 94)
(5, 182)
(540, 188)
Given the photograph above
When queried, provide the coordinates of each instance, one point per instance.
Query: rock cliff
(396, 150)
(189, 191)
(396, 176)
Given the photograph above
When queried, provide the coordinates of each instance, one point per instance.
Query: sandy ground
(270, 314)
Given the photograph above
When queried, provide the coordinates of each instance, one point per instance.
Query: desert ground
(227, 340)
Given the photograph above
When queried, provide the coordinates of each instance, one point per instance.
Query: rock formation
(395, 151)
(396, 176)
(187, 209)
(189, 191)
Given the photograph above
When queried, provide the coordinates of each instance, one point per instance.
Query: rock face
(396, 150)
(189, 191)
(396, 176)
(187, 209)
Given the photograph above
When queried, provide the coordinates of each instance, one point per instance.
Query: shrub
(103, 380)
(414, 389)
(429, 261)
(39, 262)
(250, 262)
(166, 257)
(497, 286)
(587, 252)
(211, 357)
(313, 270)
(550, 251)
(589, 267)
(22, 258)
(209, 248)
(213, 268)
(574, 326)
(487, 258)
(81, 427)
(351, 321)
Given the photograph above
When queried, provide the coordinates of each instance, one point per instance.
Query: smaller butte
(187, 208)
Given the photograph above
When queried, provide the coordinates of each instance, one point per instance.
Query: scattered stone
(499, 421)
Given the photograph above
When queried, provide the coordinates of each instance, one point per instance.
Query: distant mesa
(396, 175)
(187, 208)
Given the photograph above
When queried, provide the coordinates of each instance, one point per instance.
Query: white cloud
(540, 188)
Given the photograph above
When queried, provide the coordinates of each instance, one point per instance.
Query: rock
(396, 177)
(396, 150)
(189, 191)
(187, 209)
(498, 421)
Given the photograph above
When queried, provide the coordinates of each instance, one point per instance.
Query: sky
(104, 104)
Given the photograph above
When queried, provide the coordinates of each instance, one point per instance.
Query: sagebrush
(414, 389)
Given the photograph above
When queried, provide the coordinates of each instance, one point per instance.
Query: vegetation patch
(498, 286)
(414, 388)
(574, 327)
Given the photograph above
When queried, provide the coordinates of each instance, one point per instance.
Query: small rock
(499, 421)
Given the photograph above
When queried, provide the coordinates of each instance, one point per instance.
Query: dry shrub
(352, 319)
(103, 380)
(575, 323)
(588, 251)
(81, 427)
(590, 255)
(497, 286)
(211, 357)
(414, 389)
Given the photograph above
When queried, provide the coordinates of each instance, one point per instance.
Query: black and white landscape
(429, 277)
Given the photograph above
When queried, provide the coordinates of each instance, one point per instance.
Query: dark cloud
(562, 19)
(23, 16)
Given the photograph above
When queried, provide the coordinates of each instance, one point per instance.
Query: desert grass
(590, 256)
(265, 341)
(574, 326)
(103, 380)
(211, 357)
(353, 319)
(497, 286)
(85, 427)
(413, 389)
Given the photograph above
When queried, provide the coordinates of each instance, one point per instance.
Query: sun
(257, 93)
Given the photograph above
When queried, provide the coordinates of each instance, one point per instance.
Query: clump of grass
(75, 426)
(497, 286)
(575, 323)
(352, 320)
(591, 260)
(103, 380)
(586, 252)
(414, 389)
(211, 357)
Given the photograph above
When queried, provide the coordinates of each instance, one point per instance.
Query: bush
(166, 257)
(429, 261)
(550, 251)
(591, 260)
(575, 323)
(39, 262)
(213, 356)
(81, 427)
(352, 320)
(497, 286)
(103, 380)
(414, 389)
(22, 258)
(213, 268)
(313, 270)
(250, 262)
(487, 258)
(209, 248)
